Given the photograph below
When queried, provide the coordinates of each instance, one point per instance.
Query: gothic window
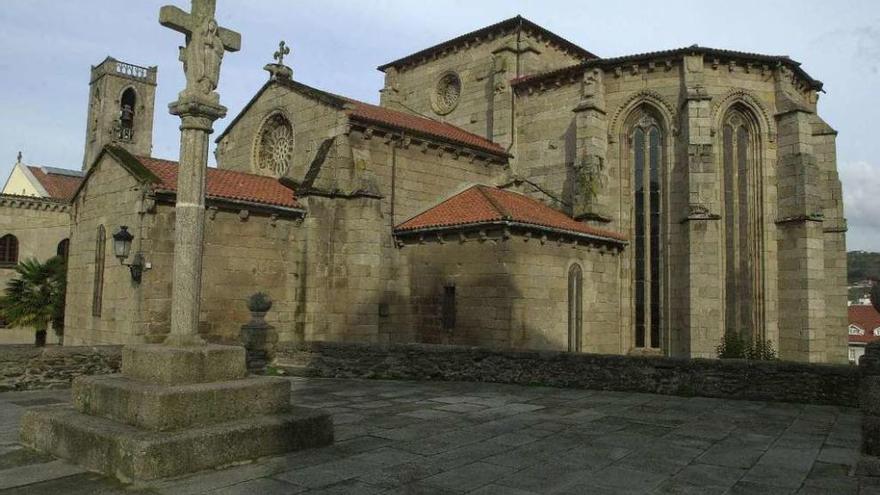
(275, 148)
(575, 302)
(98, 294)
(646, 153)
(125, 127)
(447, 308)
(742, 232)
(447, 93)
(63, 248)
(8, 251)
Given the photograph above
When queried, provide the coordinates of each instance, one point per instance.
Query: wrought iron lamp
(122, 247)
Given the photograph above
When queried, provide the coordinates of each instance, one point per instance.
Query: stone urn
(257, 336)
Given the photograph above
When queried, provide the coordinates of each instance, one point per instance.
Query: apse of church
(511, 190)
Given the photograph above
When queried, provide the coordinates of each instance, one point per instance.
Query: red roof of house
(58, 184)
(865, 317)
(226, 184)
(483, 204)
(381, 115)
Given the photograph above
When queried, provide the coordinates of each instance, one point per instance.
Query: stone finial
(281, 52)
(19, 157)
(278, 70)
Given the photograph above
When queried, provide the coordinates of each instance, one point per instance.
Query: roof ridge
(517, 21)
(505, 214)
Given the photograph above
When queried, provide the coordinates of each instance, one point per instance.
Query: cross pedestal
(174, 411)
(183, 405)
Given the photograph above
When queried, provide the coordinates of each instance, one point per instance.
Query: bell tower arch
(121, 105)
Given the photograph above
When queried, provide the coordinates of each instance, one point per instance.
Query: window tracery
(275, 150)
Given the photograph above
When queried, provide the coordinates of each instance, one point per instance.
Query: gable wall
(110, 197)
(312, 123)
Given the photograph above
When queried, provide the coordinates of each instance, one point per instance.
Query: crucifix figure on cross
(205, 44)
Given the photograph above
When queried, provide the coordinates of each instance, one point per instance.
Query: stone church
(511, 190)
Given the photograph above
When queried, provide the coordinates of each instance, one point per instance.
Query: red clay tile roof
(60, 186)
(226, 184)
(865, 317)
(380, 115)
(483, 204)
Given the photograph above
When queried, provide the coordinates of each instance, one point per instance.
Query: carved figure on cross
(205, 44)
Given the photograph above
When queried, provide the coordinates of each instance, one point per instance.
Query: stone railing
(28, 368)
(730, 379)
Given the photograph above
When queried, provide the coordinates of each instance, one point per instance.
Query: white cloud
(861, 199)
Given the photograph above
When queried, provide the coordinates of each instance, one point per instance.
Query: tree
(36, 297)
(875, 295)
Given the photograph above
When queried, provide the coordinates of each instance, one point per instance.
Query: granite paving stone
(404, 437)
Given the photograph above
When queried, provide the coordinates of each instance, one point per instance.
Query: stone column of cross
(198, 106)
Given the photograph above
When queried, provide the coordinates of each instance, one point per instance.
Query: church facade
(511, 190)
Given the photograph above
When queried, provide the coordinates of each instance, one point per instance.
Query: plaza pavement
(401, 437)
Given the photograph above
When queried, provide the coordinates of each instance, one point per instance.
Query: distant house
(34, 223)
(864, 327)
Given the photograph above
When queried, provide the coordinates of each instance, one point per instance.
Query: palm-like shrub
(35, 298)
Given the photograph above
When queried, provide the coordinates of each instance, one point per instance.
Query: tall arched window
(8, 251)
(63, 248)
(743, 239)
(646, 152)
(575, 307)
(98, 293)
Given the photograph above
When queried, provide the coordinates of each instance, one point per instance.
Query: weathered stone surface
(163, 407)
(132, 454)
(28, 367)
(733, 379)
(166, 365)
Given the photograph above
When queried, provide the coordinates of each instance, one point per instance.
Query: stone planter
(259, 340)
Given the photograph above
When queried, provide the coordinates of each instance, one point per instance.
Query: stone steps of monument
(135, 454)
(163, 408)
(293, 369)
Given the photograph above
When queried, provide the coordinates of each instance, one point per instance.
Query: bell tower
(121, 103)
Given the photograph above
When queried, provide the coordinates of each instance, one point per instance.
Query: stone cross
(282, 51)
(205, 43)
(198, 106)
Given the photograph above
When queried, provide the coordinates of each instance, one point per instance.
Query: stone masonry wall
(29, 368)
(730, 379)
(244, 253)
(513, 294)
(39, 226)
(111, 197)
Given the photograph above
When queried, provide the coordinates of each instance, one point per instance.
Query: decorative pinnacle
(283, 50)
(19, 157)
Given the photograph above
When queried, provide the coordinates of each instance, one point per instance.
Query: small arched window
(854, 330)
(127, 105)
(63, 248)
(98, 293)
(8, 251)
(575, 306)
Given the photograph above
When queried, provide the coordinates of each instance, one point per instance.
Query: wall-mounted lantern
(122, 247)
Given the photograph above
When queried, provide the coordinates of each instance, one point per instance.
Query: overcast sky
(48, 46)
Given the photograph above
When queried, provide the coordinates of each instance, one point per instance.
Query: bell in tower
(121, 103)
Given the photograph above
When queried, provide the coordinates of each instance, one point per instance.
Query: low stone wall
(730, 379)
(28, 367)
